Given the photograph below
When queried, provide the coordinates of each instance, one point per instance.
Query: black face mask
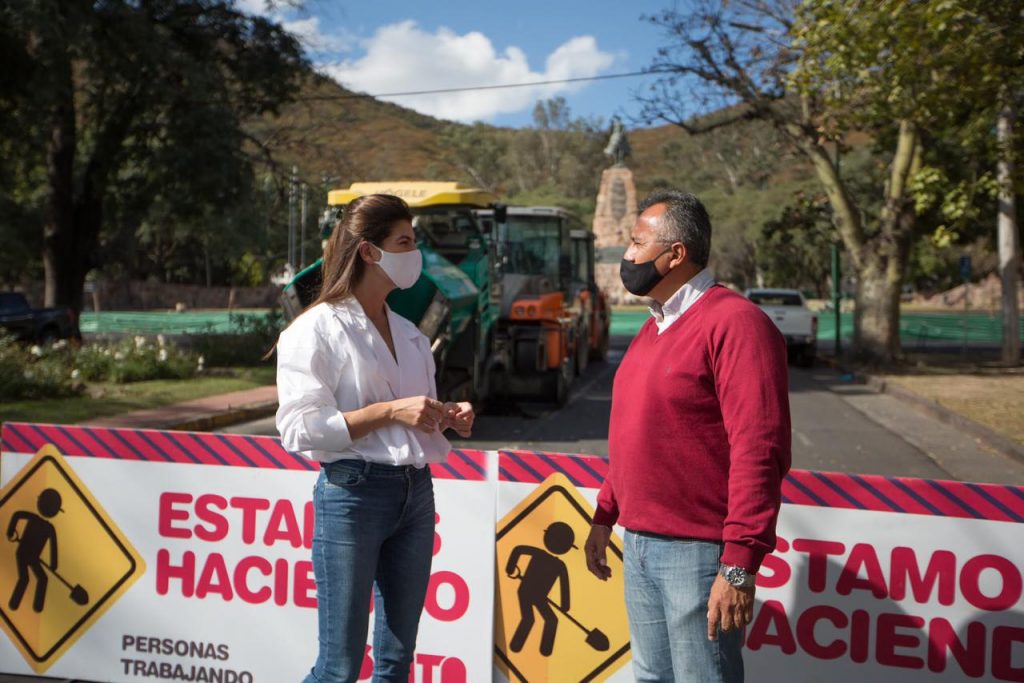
(640, 278)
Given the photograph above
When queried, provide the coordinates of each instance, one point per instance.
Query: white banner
(224, 587)
(874, 578)
(171, 556)
(856, 595)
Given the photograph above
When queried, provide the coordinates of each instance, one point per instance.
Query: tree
(820, 72)
(478, 151)
(1007, 45)
(128, 105)
(935, 67)
(794, 249)
(560, 156)
(1008, 237)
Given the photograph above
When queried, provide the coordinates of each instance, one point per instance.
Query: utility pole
(1009, 243)
(291, 217)
(302, 230)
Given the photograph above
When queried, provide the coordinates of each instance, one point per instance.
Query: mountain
(332, 133)
(745, 174)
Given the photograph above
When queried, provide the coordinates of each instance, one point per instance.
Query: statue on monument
(618, 145)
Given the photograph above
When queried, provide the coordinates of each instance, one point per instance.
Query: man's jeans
(668, 582)
(374, 531)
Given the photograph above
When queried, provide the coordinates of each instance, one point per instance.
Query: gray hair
(685, 220)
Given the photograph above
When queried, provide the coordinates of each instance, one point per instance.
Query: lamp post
(836, 279)
(836, 295)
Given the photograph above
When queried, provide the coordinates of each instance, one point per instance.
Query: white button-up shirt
(332, 360)
(678, 303)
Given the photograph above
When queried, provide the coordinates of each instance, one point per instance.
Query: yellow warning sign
(554, 620)
(63, 561)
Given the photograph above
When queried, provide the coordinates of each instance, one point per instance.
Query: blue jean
(668, 583)
(374, 532)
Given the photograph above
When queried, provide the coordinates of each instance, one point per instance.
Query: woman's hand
(458, 416)
(419, 412)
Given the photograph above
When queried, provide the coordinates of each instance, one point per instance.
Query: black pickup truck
(39, 325)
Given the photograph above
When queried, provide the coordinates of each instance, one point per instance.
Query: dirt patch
(993, 398)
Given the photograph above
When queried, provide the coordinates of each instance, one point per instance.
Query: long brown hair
(366, 219)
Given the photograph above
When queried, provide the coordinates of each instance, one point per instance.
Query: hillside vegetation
(744, 174)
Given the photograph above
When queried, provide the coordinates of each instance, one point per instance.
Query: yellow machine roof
(418, 194)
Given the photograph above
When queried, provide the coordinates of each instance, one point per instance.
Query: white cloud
(253, 6)
(307, 30)
(402, 57)
(313, 39)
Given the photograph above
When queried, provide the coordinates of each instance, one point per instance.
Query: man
(698, 443)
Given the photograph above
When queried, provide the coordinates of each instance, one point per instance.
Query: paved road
(837, 426)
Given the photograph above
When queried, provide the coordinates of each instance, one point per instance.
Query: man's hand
(460, 417)
(596, 551)
(729, 607)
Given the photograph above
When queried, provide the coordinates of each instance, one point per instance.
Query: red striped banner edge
(587, 471)
(461, 464)
(801, 487)
(941, 498)
(877, 493)
(196, 448)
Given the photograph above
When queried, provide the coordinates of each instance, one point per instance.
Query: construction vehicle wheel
(601, 352)
(582, 350)
(526, 357)
(559, 381)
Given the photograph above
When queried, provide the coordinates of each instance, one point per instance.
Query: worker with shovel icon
(33, 539)
(543, 570)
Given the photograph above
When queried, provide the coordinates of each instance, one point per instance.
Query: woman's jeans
(668, 583)
(374, 532)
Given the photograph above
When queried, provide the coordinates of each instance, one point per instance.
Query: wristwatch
(736, 576)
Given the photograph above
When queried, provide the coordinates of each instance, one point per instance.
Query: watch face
(735, 575)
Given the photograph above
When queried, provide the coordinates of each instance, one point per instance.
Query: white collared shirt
(678, 303)
(332, 360)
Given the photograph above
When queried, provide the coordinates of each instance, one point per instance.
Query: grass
(992, 396)
(106, 398)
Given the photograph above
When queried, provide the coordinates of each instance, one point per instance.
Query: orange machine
(552, 318)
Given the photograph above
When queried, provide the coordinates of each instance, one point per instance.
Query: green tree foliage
(478, 152)
(820, 73)
(557, 160)
(926, 76)
(130, 118)
(794, 249)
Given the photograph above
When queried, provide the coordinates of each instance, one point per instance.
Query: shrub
(36, 371)
(136, 360)
(253, 337)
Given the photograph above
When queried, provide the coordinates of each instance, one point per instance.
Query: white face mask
(403, 268)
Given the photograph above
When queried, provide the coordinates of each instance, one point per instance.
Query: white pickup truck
(798, 324)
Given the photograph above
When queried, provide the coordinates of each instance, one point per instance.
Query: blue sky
(398, 46)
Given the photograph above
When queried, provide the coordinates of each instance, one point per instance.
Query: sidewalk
(199, 415)
(903, 387)
(995, 440)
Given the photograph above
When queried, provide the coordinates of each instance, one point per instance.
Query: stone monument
(614, 216)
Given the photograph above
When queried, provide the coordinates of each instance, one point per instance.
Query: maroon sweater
(699, 439)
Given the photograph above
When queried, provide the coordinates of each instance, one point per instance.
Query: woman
(356, 388)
